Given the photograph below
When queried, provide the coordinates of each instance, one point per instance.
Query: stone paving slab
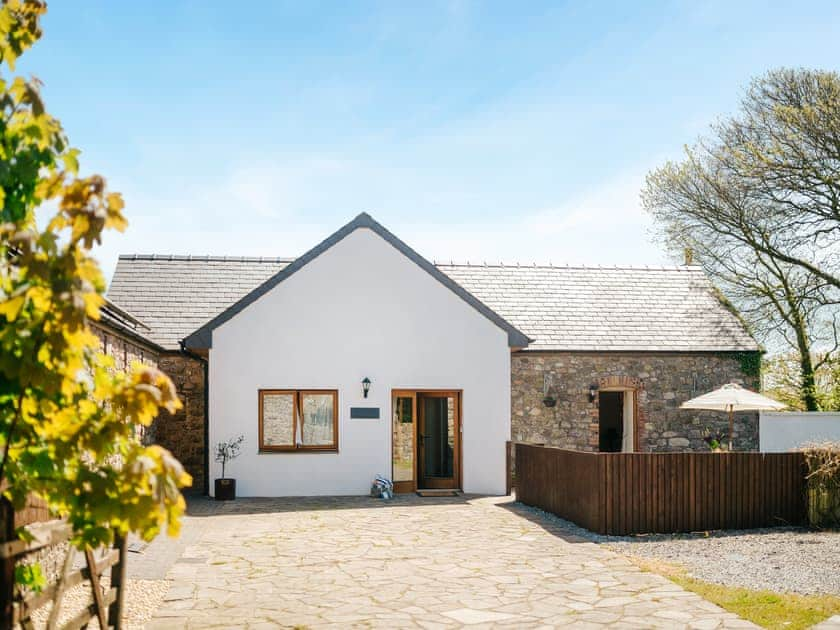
(444, 562)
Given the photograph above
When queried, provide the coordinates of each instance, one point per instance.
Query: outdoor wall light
(366, 385)
(593, 392)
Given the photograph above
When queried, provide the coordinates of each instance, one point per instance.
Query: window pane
(439, 439)
(278, 419)
(403, 438)
(317, 420)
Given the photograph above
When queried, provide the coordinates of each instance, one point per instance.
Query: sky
(476, 131)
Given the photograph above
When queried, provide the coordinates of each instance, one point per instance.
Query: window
(298, 420)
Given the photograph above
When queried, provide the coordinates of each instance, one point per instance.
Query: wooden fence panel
(633, 493)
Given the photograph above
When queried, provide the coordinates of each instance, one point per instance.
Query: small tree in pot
(226, 451)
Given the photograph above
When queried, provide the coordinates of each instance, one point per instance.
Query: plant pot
(549, 401)
(225, 489)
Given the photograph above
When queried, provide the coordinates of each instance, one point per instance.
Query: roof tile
(562, 308)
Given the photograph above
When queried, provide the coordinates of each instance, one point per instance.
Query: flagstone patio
(409, 563)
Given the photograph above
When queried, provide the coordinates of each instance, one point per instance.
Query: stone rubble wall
(123, 351)
(661, 381)
(183, 432)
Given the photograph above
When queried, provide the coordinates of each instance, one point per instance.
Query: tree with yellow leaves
(68, 421)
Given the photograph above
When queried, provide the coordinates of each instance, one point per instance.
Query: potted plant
(715, 440)
(226, 451)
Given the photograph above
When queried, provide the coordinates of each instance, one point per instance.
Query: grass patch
(767, 609)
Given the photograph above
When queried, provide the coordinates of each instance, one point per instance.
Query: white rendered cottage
(287, 364)
(361, 358)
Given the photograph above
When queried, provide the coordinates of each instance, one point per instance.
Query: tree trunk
(808, 382)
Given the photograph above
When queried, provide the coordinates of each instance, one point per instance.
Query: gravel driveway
(789, 560)
(793, 560)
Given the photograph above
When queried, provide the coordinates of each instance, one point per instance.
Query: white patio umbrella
(732, 398)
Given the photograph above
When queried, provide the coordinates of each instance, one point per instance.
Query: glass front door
(438, 440)
(426, 440)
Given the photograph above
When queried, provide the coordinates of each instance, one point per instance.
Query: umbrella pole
(731, 426)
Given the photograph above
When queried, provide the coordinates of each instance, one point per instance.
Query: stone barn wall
(183, 432)
(124, 351)
(661, 381)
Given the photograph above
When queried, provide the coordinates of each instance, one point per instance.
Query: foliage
(750, 363)
(30, 577)
(758, 206)
(715, 440)
(68, 420)
(823, 461)
(782, 381)
(226, 451)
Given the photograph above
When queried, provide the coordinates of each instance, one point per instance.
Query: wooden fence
(634, 493)
(17, 605)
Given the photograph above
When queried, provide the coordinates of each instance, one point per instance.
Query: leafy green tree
(782, 380)
(68, 420)
(757, 203)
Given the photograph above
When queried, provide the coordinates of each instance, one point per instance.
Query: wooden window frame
(296, 422)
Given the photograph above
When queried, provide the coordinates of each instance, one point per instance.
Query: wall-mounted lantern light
(593, 392)
(366, 385)
(549, 399)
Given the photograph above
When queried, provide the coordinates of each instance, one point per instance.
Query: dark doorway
(610, 421)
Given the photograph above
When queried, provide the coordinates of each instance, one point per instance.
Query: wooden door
(404, 440)
(438, 440)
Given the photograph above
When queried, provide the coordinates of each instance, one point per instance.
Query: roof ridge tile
(205, 258)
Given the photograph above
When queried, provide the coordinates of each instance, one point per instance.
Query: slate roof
(118, 320)
(608, 308)
(561, 308)
(175, 295)
(203, 337)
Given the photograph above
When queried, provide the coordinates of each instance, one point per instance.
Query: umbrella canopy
(732, 398)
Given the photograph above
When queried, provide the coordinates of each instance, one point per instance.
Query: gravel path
(146, 586)
(781, 560)
(791, 560)
(142, 599)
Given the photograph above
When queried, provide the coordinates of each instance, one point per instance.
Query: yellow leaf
(93, 302)
(40, 297)
(11, 308)
(115, 202)
(81, 225)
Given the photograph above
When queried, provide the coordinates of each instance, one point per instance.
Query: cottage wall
(661, 382)
(182, 433)
(123, 350)
(360, 309)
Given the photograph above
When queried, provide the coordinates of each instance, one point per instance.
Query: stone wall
(661, 382)
(182, 433)
(123, 351)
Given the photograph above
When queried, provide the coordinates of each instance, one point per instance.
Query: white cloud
(283, 208)
(605, 225)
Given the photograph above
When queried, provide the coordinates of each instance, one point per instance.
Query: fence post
(7, 564)
(118, 582)
(508, 471)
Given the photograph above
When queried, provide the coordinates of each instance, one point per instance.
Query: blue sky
(474, 130)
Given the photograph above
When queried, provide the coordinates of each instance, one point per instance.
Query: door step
(438, 493)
